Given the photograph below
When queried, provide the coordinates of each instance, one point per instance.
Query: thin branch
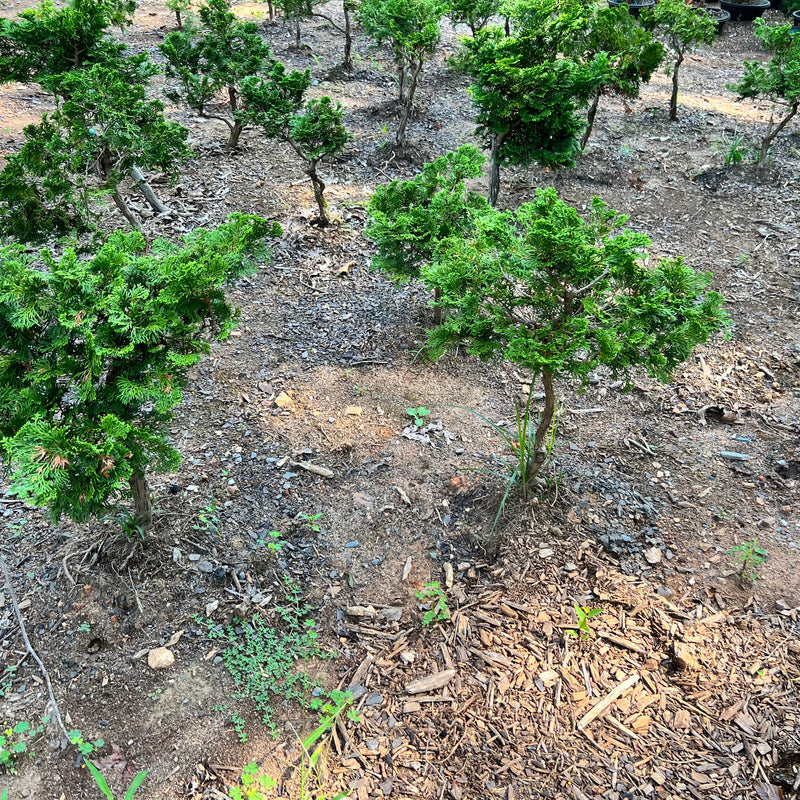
(578, 292)
(29, 646)
(217, 116)
(328, 19)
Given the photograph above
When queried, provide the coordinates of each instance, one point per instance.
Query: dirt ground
(692, 673)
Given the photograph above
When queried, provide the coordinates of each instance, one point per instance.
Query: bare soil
(708, 664)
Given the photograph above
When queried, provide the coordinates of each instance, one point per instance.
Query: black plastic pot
(634, 6)
(720, 15)
(796, 21)
(744, 12)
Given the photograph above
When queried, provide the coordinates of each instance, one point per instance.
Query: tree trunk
(543, 429)
(319, 194)
(271, 10)
(773, 132)
(673, 100)
(348, 38)
(408, 103)
(297, 32)
(144, 187)
(494, 168)
(401, 78)
(590, 115)
(142, 502)
(437, 311)
(178, 18)
(236, 132)
(119, 202)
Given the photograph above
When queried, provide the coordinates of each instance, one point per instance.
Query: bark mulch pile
(661, 699)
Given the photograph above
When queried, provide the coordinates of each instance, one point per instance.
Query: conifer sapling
(94, 353)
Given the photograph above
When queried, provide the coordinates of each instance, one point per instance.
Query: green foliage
(221, 54)
(475, 13)
(252, 785)
(314, 130)
(311, 521)
(239, 726)
(102, 127)
(529, 86)
(435, 596)
(409, 220)
(178, 8)
(561, 295)
(207, 519)
(418, 415)
(778, 80)
(411, 28)
(263, 659)
(733, 147)
(45, 41)
(94, 353)
(750, 557)
(619, 51)
(682, 28)
(102, 784)
(583, 628)
(14, 741)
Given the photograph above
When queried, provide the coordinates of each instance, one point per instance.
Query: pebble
(354, 543)
(205, 566)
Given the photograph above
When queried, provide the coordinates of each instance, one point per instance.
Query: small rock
(353, 411)
(194, 556)
(448, 574)
(176, 555)
(211, 607)
(546, 552)
(375, 699)
(407, 568)
(391, 614)
(652, 555)
(284, 401)
(160, 658)
(363, 500)
(407, 657)
(570, 566)
(354, 543)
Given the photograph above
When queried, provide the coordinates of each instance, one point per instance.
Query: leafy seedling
(435, 595)
(750, 556)
(583, 629)
(418, 414)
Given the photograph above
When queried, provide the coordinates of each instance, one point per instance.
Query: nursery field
(630, 630)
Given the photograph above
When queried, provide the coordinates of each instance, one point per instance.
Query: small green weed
(208, 521)
(584, 614)
(127, 522)
(418, 414)
(734, 148)
(252, 785)
(14, 741)
(102, 784)
(750, 556)
(7, 679)
(85, 627)
(435, 595)
(263, 659)
(86, 749)
(238, 726)
(310, 521)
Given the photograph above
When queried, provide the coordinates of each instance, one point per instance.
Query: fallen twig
(30, 649)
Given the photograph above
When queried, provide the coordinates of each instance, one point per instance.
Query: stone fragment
(160, 658)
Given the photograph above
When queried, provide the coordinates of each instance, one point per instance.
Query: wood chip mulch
(663, 699)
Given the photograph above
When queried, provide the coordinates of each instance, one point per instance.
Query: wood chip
(608, 700)
(432, 682)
